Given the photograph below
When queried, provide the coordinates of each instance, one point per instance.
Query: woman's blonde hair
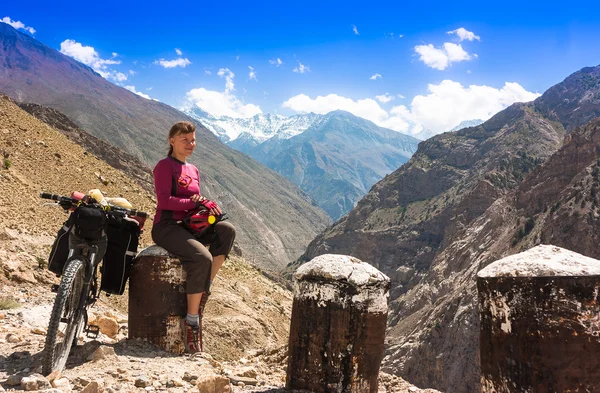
(181, 127)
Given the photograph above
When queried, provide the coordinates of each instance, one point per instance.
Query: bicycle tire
(65, 317)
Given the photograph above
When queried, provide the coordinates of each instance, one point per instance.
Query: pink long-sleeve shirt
(175, 182)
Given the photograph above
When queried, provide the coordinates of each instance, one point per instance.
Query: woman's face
(183, 144)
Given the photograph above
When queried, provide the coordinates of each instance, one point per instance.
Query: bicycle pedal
(54, 288)
(92, 331)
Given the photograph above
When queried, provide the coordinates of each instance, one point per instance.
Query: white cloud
(88, 56)
(442, 58)
(252, 74)
(375, 77)
(400, 96)
(468, 71)
(132, 72)
(180, 62)
(178, 51)
(228, 75)
(146, 96)
(149, 88)
(222, 103)
(385, 98)
(464, 34)
(207, 72)
(442, 108)
(237, 57)
(277, 62)
(400, 35)
(301, 68)
(17, 24)
(355, 30)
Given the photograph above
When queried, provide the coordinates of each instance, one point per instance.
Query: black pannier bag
(123, 236)
(60, 249)
(90, 222)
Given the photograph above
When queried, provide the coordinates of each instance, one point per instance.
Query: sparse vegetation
(7, 303)
(524, 231)
(7, 163)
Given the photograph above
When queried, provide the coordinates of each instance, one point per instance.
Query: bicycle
(78, 289)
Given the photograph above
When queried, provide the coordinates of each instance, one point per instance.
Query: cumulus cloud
(180, 62)
(132, 72)
(375, 77)
(222, 103)
(17, 24)
(464, 34)
(252, 74)
(355, 30)
(178, 51)
(385, 98)
(442, 58)
(88, 56)
(133, 90)
(442, 108)
(301, 69)
(277, 62)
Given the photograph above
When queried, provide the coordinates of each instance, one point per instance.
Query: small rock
(412, 389)
(14, 380)
(82, 381)
(13, 338)
(41, 332)
(2, 315)
(35, 382)
(143, 382)
(108, 326)
(91, 387)
(189, 377)
(248, 371)
(103, 352)
(213, 384)
(175, 383)
(42, 143)
(62, 384)
(241, 384)
(245, 380)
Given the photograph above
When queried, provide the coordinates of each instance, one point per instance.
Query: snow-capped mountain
(256, 129)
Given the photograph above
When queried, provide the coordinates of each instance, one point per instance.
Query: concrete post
(157, 299)
(337, 331)
(540, 322)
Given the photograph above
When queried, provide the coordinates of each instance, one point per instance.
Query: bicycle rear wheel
(65, 317)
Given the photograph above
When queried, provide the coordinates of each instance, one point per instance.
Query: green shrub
(7, 163)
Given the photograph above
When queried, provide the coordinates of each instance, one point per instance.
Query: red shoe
(192, 337)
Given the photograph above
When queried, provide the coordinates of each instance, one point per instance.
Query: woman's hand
(197, 198)
(212, 207)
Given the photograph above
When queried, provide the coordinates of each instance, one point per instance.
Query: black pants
(195, 258)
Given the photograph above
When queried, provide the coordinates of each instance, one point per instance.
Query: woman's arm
(163, 181)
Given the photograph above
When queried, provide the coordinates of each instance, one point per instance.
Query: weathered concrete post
(338, 325)
(540, 322)
(157, 299)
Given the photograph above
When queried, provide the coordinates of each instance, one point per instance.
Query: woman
(177, 185)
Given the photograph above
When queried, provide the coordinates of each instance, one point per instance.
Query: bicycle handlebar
(61, 199)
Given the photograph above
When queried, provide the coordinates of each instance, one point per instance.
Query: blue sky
(406, 66)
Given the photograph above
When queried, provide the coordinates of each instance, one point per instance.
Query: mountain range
(528, 175)
(260, 202)
(335, 158)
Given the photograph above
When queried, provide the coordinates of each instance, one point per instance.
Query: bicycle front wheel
(65, 317)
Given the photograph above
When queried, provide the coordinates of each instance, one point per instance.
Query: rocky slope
(414, 224)
(275, 219)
